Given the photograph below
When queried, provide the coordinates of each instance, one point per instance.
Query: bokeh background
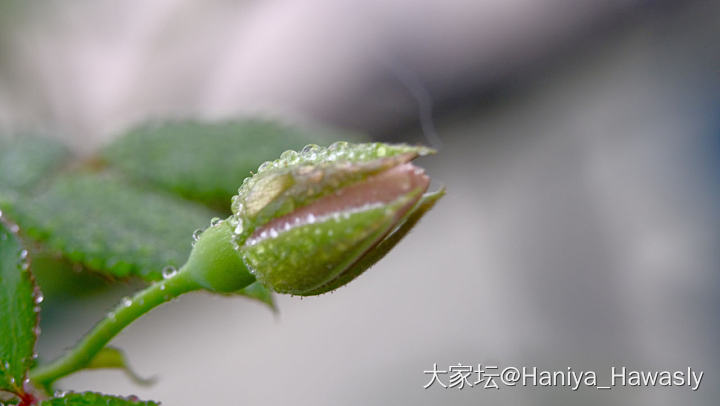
(579, 142)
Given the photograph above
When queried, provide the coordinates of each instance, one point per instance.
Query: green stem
(127, 312)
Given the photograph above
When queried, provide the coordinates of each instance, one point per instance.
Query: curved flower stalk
(305, 224)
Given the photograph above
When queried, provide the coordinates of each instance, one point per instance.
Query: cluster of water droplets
(338, 151)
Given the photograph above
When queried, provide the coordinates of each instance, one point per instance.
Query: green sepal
(374, 255)
(308, 256)
(94, 399)
(259, 292)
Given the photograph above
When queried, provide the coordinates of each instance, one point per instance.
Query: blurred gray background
(579, 142)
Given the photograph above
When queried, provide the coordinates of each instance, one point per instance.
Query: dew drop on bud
(309, 148)
(23, 254)
(14, 228)
(239, 227)
(289, 155)
(264, 166)
(127, 302)
(215, 221)
(39, 298)
(168, 272)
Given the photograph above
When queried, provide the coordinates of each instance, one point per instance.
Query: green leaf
(18, 311)
(27, 160)
(258, 291)
(109, 226)
(95, 399)
(207, 161)
(110, 357)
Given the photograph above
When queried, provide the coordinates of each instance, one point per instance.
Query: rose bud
(305, 224)
(312, 221)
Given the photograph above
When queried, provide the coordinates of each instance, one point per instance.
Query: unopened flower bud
(312, 221)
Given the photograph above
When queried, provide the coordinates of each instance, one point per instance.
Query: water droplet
(14, 228)
(127, 302)
(265, 165)
(111, 316)
(7, 365)
(37, 330)
(162, 286)
(289, 155)
(168, 272)
(60, 393)
(23, 254)
(36, 309)
(35, 355)
(196, 234)
(25, 266)
(39, 297)
(311, 218)
(239, 226)
(12, 380)
(309, 148)
(273, 233)
(215, 221)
